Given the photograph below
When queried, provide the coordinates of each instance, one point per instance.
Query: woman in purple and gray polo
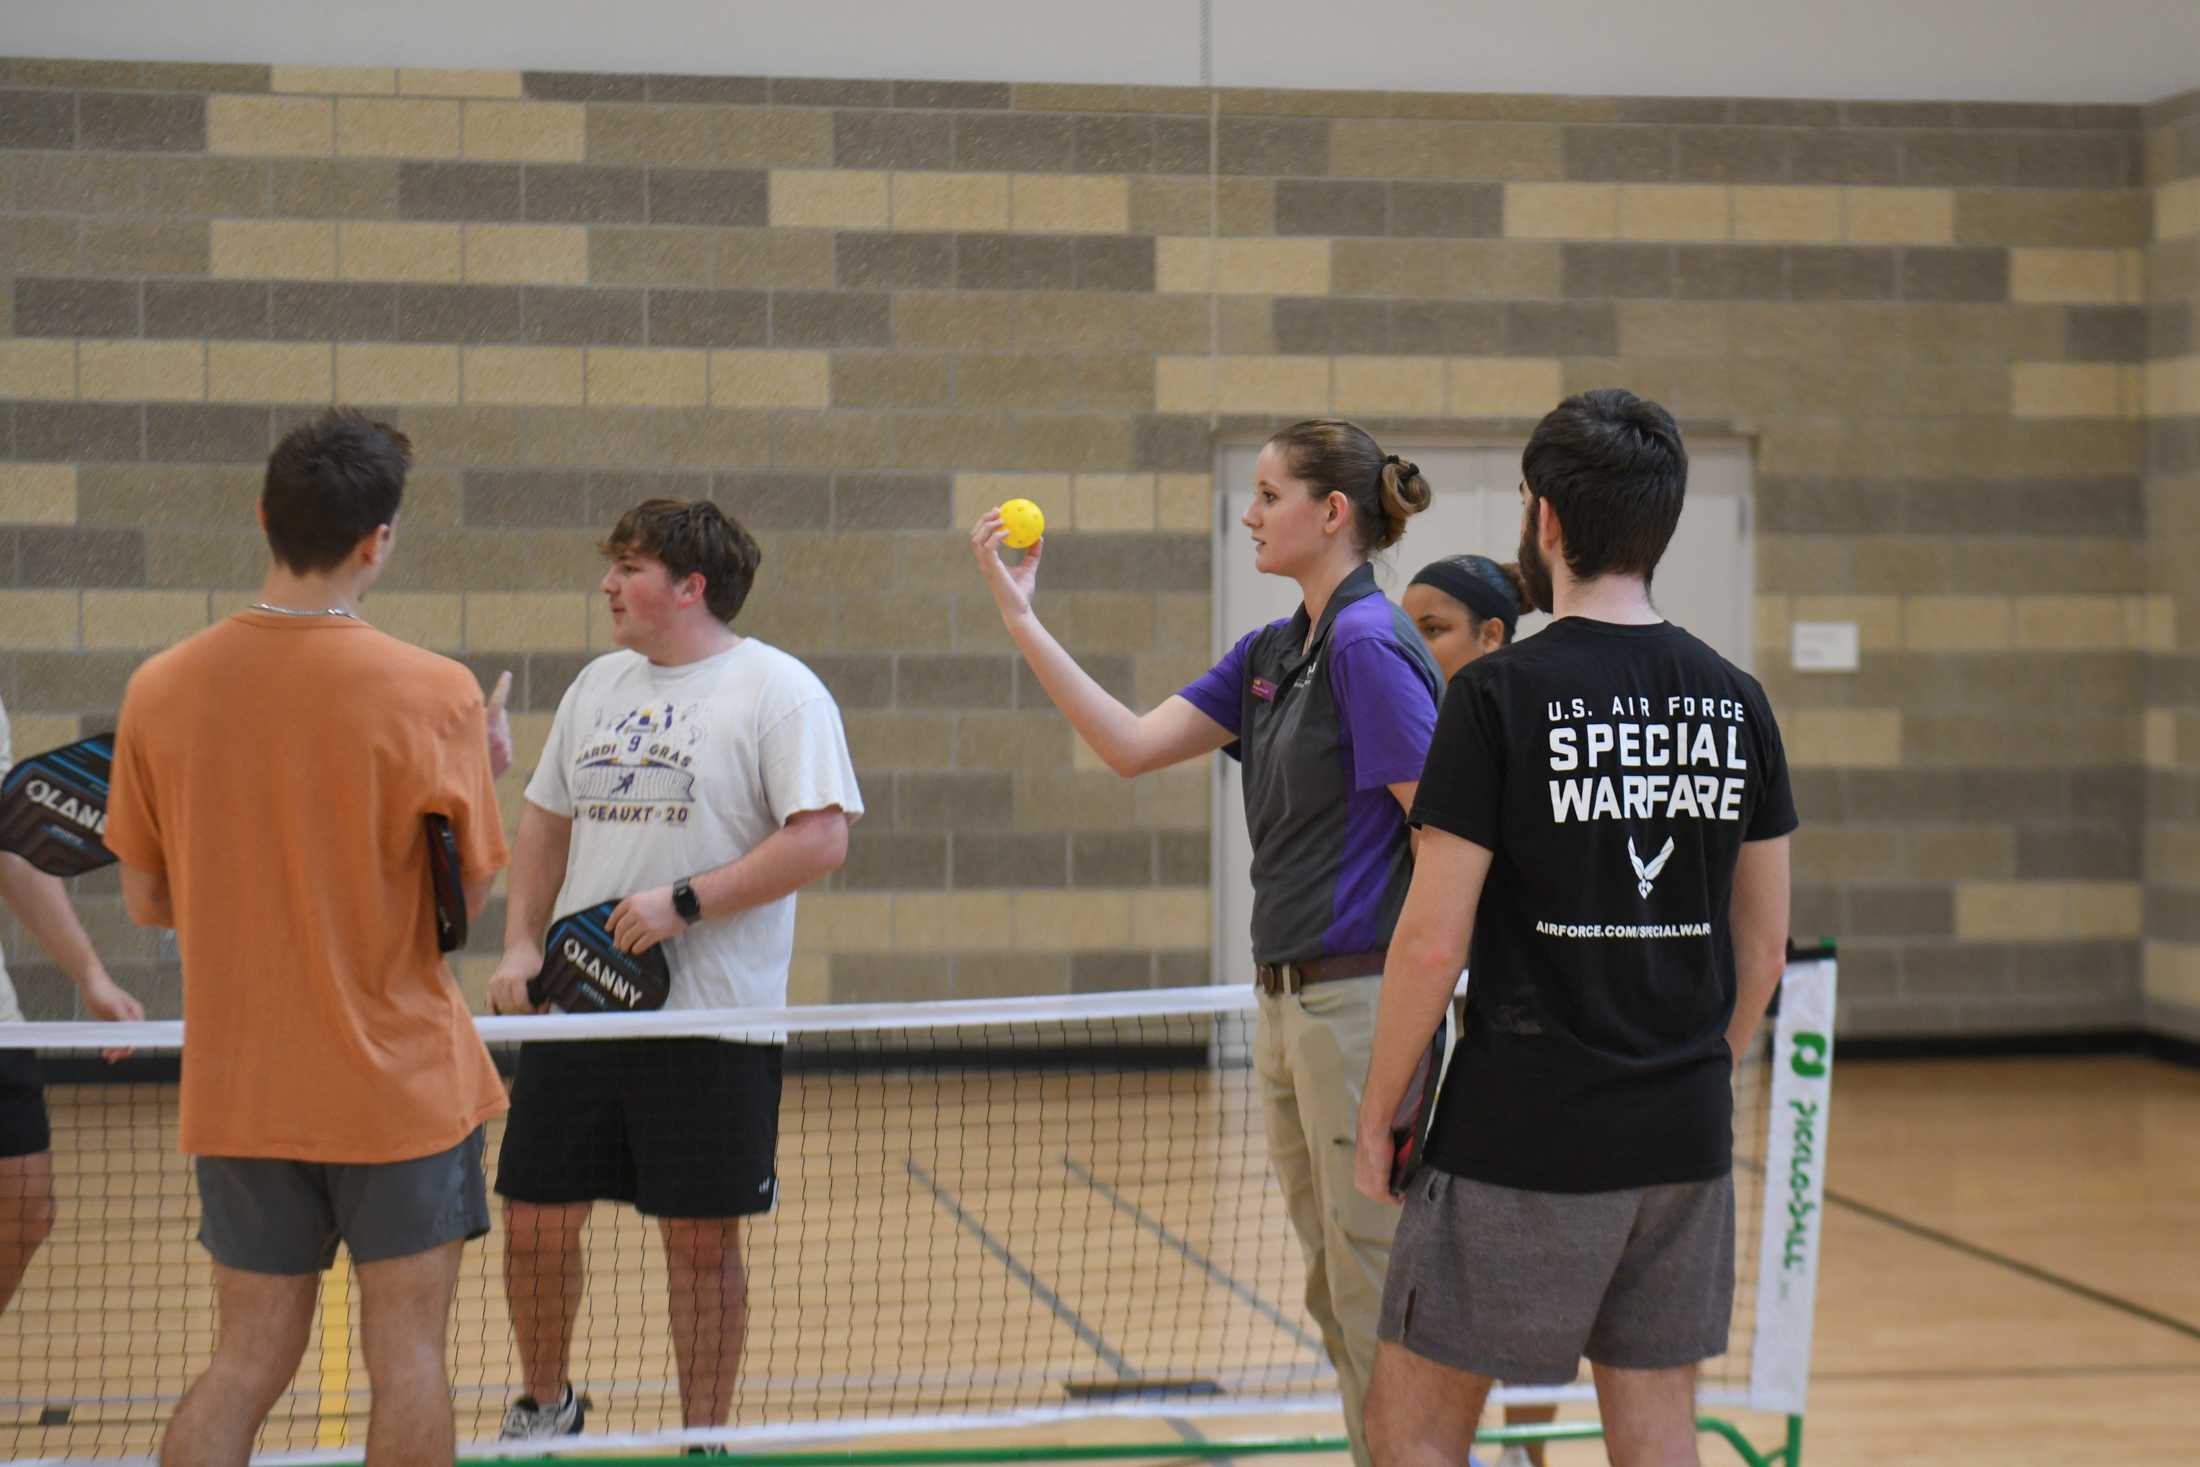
(1329, 712)
(1324, 724)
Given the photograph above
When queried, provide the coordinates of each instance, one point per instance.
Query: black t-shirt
(1614, 772)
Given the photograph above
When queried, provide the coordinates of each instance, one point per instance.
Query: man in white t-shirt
(41, 904)
(699, 779)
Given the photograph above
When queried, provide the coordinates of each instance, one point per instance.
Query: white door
(1705, 583)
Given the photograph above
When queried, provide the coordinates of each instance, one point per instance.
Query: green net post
(1742, 1445)
(1789, 1454)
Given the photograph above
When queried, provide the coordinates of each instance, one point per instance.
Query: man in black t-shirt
(1606, 812)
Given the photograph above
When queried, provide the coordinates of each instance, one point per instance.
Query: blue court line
(1023, 1275)
(1193, 1256)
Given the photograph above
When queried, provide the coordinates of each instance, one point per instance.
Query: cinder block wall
(2172, 946)
(856, 312)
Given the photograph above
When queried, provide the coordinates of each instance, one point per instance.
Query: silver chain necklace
(293, 611)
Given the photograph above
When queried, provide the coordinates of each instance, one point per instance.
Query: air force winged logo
(1646, 876)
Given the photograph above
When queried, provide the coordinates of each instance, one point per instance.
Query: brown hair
(331, 483)
(1336, 457)
(691, 537)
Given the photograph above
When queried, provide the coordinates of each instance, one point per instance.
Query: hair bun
(1404, 494)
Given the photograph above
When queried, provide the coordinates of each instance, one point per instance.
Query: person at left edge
(40, 903)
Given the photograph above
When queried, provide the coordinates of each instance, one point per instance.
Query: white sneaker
(527, 1421)
(1515, 1455)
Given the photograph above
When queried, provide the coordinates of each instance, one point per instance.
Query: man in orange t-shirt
(273, 775)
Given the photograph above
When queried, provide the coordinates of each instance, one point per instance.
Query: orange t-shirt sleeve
(469, 792)
(133, 826)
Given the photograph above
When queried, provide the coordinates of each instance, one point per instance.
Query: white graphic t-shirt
(668, 772)
(10, 1011)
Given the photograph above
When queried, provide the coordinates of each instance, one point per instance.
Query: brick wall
(2172, 946)
(856, 312)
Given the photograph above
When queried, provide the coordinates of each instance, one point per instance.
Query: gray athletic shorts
(267, 1215)
(1519, 1286)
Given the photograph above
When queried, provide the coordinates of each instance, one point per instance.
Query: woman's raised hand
(1012, 586)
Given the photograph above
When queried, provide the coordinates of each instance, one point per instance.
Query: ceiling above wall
(2129, 51)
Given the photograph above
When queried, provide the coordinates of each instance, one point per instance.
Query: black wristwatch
(685, 902)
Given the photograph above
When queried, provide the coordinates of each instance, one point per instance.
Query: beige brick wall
(1960, 338)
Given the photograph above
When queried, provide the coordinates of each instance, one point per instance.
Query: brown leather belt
(1280, 978)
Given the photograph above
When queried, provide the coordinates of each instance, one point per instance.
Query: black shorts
(23, 1128)
(678, 1127)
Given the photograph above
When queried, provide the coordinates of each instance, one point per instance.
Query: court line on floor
(2015, 1372)
(2031, 1271)
(1190, 1433)
(1023, 1274)
(301, 1401)
(1192, 1255)
(335, 1363)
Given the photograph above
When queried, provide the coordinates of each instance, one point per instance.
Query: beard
(1535, 571)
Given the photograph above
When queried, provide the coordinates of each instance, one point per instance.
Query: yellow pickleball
(1024, 523)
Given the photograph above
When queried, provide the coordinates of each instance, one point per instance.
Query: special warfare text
(1689, 754)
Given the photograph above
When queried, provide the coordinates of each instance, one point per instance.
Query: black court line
(2031, 1271)
(1023, 1275)
(1193, 1256)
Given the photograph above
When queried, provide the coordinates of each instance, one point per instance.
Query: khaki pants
(1311, 1052)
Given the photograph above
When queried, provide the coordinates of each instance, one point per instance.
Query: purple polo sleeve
(1388, 710)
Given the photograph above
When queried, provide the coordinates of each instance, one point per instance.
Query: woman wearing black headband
(1464, 606)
